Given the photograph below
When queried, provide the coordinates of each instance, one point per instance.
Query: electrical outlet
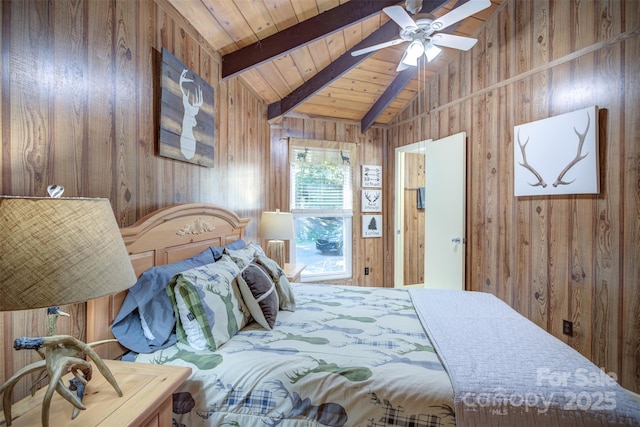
(366, 271)
(567, 327)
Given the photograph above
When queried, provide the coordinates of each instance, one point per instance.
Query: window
(322, 207)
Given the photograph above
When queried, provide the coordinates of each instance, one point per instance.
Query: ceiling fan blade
(455, 42)
(400, 16)
(376, 47)
(401, 66)
(459, 13)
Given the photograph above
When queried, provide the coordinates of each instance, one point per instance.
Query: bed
(264, 351)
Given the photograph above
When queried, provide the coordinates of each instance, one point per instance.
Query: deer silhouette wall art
(186, 114)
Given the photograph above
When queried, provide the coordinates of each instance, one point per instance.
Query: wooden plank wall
(413, 219)
(369, 252)
(560, 257)
(79, 83)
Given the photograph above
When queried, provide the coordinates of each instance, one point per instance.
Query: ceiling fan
(420, 31)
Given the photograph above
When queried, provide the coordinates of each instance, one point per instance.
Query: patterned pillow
(219, 250)
(285, 292)
(259, 293)
(213, 310)
(244, 256)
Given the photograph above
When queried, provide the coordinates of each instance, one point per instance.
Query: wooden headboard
(165, 236)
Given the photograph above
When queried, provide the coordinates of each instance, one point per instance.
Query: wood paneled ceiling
(295, 54)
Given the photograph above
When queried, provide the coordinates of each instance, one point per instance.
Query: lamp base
(275, 251)
(59, 356)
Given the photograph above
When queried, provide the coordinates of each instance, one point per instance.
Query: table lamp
(277, 227)
(57, 251)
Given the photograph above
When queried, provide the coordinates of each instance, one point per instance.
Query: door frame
(398, 245)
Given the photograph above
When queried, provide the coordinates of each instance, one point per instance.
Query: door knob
(458, 240)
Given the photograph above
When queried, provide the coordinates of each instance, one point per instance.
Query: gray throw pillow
(285, 291)
(259, 294)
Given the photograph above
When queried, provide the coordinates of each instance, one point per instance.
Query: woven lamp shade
(57, 251)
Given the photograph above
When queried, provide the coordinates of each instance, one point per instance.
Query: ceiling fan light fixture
(431, 52)
(420, 31)
(413, 52)
(413, 6)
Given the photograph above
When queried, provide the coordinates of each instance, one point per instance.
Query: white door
(445, 212)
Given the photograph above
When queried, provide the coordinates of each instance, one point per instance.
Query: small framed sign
(371, 176)
(371, 201)
(371, 225)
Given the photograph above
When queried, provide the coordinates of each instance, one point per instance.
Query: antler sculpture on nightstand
(59, 354)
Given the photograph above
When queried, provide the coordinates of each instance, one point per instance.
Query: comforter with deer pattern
(348, 356)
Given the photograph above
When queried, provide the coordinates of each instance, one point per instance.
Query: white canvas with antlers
(558, 155)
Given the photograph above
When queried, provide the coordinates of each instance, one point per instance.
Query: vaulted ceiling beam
(334, 70)
(301, 34)
(343, 64)
(403, 78)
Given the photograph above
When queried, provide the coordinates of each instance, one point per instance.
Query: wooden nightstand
(293, 271)
(146, 401)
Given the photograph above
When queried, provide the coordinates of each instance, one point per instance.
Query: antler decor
(60, 352)
(577, 158)
(371, 199)
(527, 166)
